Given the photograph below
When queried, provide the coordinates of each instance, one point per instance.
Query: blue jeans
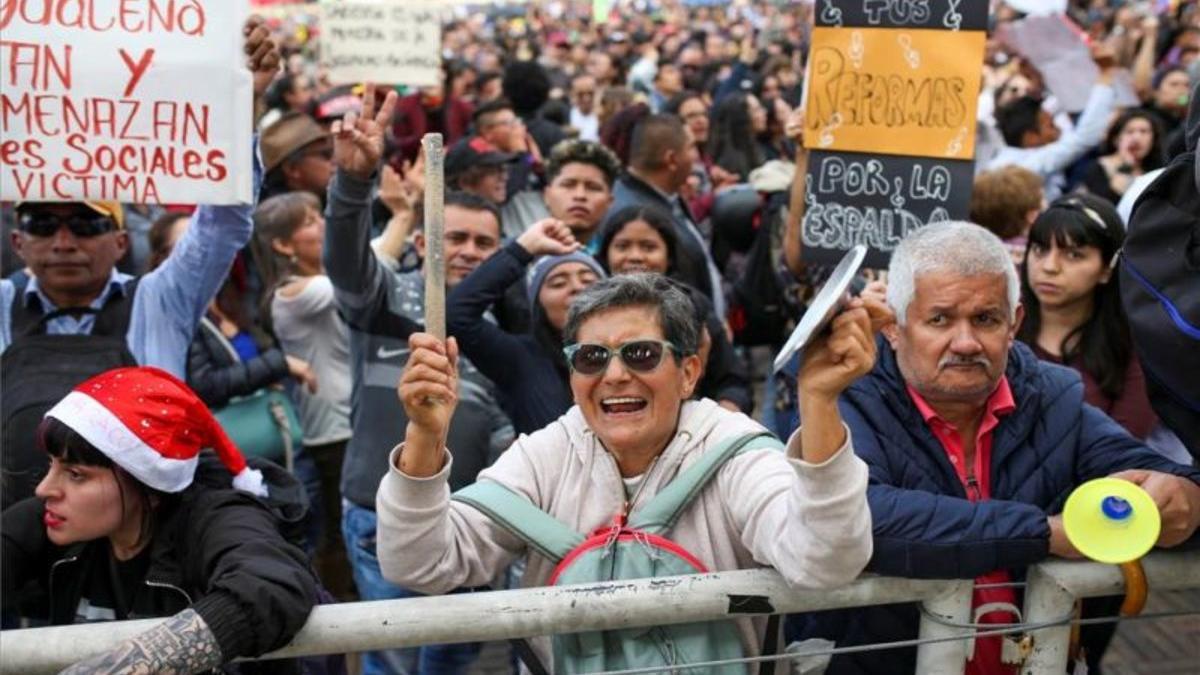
(304, 469)
(358, 528)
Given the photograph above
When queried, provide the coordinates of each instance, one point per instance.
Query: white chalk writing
(861, 202)
(831, 15)
(953, 19)
(896, 12)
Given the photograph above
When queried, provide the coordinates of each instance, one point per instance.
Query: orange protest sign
(900, 92)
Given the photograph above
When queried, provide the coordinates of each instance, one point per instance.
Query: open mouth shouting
(623, 405)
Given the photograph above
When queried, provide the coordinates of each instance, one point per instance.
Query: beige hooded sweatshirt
(763, 509)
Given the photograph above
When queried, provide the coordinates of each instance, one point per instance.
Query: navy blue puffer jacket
(923, 524)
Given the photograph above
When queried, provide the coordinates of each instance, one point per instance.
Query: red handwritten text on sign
(130, 100)
(130, 16)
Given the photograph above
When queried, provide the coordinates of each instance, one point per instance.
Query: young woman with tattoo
(132, 521)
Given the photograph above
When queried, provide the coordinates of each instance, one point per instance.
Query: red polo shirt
(977, 482)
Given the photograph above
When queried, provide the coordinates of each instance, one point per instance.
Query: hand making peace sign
(358, 138)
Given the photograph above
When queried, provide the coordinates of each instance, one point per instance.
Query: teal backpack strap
(661, 512)
(541, 531)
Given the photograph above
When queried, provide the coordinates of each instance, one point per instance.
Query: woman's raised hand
(549, 237)
(429, 393)
(834, 361)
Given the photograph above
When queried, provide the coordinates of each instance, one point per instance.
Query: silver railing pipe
(501, 615)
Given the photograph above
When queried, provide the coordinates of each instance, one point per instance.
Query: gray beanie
(542, 267)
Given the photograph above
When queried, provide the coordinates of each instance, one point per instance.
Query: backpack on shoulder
(633, 549)
(1160, 289)
(758, 310)
(40, 369)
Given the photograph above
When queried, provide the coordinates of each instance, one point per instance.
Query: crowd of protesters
(633, 188)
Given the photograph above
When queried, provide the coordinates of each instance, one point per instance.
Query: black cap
(474, 151)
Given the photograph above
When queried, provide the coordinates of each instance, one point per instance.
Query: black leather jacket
(218, 551)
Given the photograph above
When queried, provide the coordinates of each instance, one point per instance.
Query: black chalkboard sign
(854, 198)
(932, 14)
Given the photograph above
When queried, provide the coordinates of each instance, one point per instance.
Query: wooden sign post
(435, 259)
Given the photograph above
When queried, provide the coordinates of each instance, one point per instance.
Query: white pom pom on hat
(153, 426)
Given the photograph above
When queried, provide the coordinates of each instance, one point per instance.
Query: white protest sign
(146, 102)
(1059, 51)
(385, 41)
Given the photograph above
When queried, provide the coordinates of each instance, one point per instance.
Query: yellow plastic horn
(1111, 520)
(1114, 521)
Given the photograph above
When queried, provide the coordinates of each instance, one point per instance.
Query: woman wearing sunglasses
(642, 239)
(631, 344)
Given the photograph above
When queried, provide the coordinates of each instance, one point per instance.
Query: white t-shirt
(588, 125)
(308, 327)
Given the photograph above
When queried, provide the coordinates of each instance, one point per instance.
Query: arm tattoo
(181, 645)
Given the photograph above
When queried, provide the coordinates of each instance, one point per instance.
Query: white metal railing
(1053, 587)
(469, 617)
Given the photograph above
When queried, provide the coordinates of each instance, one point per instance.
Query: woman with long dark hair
(1133, 147)
(298, 296)
(737, 122)
(774, 142)
(1073, 312)
(642, 239)
(230, 354)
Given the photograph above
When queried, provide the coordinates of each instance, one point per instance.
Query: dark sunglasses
(80, 225)
(639, 356)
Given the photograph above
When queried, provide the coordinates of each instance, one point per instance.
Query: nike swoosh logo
(385, 353)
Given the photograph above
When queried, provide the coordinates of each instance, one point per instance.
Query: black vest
(40, 369)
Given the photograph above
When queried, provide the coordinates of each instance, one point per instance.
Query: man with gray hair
(973, 444)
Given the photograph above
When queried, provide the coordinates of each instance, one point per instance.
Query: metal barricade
(942, 647)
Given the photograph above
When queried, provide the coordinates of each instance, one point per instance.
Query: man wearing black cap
(476, 166)
(76, 315)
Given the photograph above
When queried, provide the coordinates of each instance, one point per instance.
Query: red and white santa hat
(152, 425)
